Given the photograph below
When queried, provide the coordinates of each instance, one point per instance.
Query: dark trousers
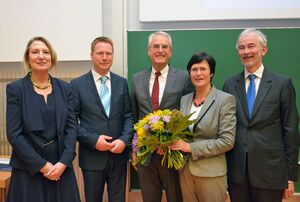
(154, 178)
(114, 176)
(245, 192)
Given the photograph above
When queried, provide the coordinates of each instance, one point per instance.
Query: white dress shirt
(196, 111)
(258, 73)
(162, 79)
(97, 81)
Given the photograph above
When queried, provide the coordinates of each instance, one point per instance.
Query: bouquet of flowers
(160, 129)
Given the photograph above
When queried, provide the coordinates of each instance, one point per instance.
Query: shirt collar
(163, 72)
(258, 73)
(97, 76)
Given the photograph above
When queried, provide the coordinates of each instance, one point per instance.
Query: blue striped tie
(251, 94)
(104, 94)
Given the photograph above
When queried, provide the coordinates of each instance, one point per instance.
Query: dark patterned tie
(155, 92)
(251, 94)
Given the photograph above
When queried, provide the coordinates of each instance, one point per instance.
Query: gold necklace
(41, 87)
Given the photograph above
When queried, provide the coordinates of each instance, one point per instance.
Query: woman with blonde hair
(41, 128)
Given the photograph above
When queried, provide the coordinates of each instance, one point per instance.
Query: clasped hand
(104, 143)
(159, 151)
(53, 172)
(289, 191)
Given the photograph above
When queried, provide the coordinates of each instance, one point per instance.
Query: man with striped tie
(102, 106)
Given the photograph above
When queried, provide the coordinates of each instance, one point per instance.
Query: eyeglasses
(198, 69)
(158, 46)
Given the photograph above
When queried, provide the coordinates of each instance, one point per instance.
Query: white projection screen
(192, 10)
(70, 26)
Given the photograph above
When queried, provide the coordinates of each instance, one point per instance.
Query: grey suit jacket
(178, 84)
(215, 130)
(94, 121)
(269, 141)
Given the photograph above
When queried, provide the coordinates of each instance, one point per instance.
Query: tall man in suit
(102, 105)
(158, 87)
(263, 164)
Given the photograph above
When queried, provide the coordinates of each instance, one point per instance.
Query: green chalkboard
(283, 55)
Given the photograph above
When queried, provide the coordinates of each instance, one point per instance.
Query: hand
(56, 171)
(160, 151)
(133, 157)
(46, 168)
(181, 146)
(118, 146)
(103, 143)
(289, 191)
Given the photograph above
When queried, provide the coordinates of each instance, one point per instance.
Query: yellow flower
(147, 117)
(141, 132)
(166, 112)
(158, 126)
(140, 124)
(158, 113)
(160, 129)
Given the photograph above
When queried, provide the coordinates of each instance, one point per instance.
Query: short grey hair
(261, 36)
(151, 36)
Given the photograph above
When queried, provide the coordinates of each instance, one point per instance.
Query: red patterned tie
(155, 92)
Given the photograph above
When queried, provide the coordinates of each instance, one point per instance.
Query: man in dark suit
(263, 164)
(102, 105)
(171, 85)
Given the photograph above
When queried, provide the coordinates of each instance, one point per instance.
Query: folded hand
(103, 143)
(118, 146)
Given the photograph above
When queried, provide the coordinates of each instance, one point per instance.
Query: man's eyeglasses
(158, 46)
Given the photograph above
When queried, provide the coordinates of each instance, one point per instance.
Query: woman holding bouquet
(203, 177)
(41, 128)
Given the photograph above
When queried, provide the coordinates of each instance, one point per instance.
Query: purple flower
(167, 119)
(135, 148)
(153, 119)
(146, 127)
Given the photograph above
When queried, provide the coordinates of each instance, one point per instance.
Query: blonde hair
(49, 46)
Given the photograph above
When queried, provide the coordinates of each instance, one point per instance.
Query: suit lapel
(188, 104)
(92, 87)
(114, 88)
(33, 114)
(60, 104)
(263, 90)
(241, 92)
(169, 85)
(145, 87)
(210, 99)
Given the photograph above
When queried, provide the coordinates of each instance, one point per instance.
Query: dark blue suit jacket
(94, 121)
(268, 142)
(25, 127)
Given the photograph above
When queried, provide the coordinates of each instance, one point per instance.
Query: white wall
(69, 25)
(198, 10)
(113, 14)
(135, 25)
